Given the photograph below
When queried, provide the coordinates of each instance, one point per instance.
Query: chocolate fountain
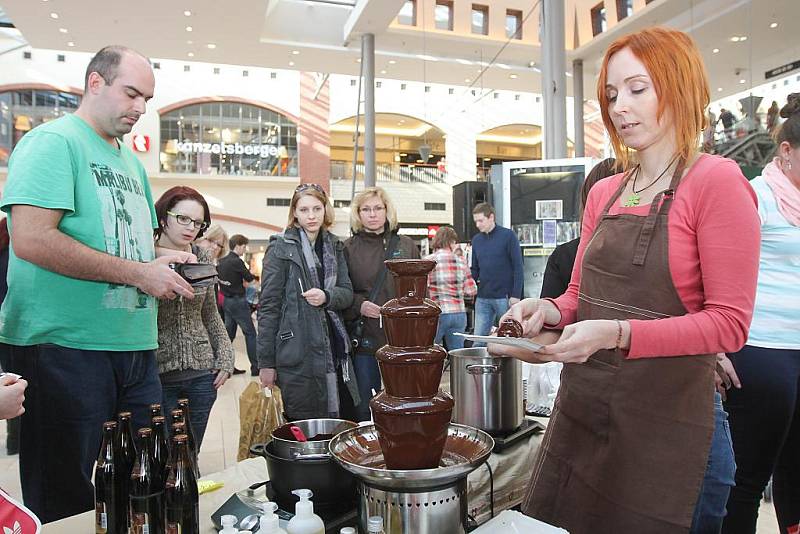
(412, 464)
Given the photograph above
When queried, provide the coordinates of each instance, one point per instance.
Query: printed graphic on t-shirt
(125, 213)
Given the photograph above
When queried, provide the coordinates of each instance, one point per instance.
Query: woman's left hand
(581, 340)
(222, 377)
(315, 296)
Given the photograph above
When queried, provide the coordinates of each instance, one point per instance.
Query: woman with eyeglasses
(303, 346)
(194, 356)
(215, 239)
(373, 220)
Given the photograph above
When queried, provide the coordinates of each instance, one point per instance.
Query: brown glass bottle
(110, 506)
(160, 444)
(181, 496)
(125, 451)
(177, 416)
(147, 490)
(183, 404)
(155, 410)
(180, 428)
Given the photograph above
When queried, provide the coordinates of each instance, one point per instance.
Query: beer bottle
(125, 454)
(146, 497)
(155, 410)
(181, 496)
(177, 417)
(160, 445)
(109, 505)
(183, 404)
(178, 429)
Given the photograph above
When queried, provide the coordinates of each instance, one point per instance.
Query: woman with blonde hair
(215, 240)
(303, 345)
(373, 220)
(664, 279)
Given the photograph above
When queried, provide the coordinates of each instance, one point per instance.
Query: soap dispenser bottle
(304, 520)
(269, 522)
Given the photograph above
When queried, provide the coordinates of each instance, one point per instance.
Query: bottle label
(140, 523)
(173, 527)
(101, 518)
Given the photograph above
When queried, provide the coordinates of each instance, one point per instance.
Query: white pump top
(304, 507)
(228, 522)
(269, 522)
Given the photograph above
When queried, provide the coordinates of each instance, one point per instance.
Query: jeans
(765, 424)
(368, 376)
(201, 394)
(237, 313)
(70, 394)
(487, 313)
(710, 508)
(448, 324)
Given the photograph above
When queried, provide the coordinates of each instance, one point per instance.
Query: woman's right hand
(531, 314)
(268, 376)
(12, 395)
(370, 309)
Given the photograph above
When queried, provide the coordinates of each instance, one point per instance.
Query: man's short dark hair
(106, 63)
(484, 208)
(237, 240)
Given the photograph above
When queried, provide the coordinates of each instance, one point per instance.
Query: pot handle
(297, 454)
(482, 369)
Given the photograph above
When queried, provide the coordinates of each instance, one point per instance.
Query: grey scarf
(330, 270)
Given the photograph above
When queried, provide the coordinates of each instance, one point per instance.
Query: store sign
(141, 143)
(263, 151)
(432, 231)
(789, 67)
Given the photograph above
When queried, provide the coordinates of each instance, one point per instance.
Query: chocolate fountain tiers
(411, 414)
(412, 464)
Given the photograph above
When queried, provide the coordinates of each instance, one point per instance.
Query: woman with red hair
(664, 279)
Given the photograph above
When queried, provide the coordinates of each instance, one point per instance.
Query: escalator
(752, 152)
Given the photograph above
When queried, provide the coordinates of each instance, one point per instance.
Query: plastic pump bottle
(269, 522)
(304, 520)
(228, 524)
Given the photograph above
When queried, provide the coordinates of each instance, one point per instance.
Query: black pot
(331, 485)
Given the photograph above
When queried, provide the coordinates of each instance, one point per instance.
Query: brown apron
(628, 442)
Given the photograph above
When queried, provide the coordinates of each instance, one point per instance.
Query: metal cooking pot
(332, 485)
(285, 445)
(487, 390)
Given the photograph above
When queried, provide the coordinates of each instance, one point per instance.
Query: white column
(577, 99)
(368, 53)
(554, 63)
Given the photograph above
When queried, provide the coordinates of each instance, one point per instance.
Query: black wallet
(197, 274)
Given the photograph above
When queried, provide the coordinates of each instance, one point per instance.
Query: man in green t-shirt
(83, 278)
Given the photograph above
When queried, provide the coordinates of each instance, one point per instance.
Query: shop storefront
(228, 138)
(23, 109)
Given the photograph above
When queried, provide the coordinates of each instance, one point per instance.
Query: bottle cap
(228, 520)
(347, 530)
(375, 524)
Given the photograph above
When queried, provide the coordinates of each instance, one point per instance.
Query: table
(511, 471)
(236, 478)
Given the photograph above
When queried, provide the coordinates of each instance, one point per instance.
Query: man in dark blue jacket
(496, 267)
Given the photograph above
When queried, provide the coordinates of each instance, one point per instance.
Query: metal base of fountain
(417, 501)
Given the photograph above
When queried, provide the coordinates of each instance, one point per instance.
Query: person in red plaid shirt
(448, 284)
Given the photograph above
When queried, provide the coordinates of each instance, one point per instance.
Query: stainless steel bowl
(358, 451)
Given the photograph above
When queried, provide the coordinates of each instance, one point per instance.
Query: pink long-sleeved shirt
(714, 240)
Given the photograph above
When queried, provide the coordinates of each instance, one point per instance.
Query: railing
(390, 172)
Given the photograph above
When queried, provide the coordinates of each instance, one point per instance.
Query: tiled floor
(221, 441)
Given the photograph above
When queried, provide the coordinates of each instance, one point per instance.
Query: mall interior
(443, 103)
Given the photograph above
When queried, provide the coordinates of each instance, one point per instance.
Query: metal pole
(368, 64)
(554, 78)
(577, 96)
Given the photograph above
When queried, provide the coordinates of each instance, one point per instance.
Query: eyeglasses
(185, 220)
(305, 187)
(375, 209)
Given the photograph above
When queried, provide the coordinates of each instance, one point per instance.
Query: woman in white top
(765, 409)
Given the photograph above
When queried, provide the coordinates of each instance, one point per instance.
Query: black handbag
(356, 327)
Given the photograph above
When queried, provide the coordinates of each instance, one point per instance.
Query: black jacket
(558, 272)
